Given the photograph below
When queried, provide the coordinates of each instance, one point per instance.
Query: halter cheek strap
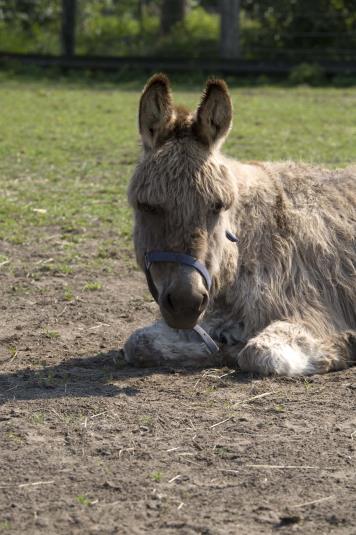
(152, 257)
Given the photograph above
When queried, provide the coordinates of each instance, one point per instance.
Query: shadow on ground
(94, 375)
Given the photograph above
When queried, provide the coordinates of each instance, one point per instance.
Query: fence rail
(224, 66)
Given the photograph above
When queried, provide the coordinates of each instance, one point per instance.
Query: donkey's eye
(148, 208)
(217, 207)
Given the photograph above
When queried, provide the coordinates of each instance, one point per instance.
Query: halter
(152, 257)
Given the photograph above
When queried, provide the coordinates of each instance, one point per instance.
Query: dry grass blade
(226, 374)
(320, 500)
(259, 396)
(222, 422)
(99, 414)
(174, 478)
(289, 467)
(46, 261)
(61, 313)
(36, 484)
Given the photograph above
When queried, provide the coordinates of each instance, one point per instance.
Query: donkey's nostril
(178, 303)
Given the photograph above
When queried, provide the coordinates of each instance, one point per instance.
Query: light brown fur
(288, 290)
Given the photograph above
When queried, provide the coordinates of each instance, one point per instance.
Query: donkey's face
(181, 194)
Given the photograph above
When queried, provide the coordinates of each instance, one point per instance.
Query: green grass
(83, 500)
(51, 334)
(92, 286)
(156, 476)
(67, 151)
(38, 418)
(68, 295)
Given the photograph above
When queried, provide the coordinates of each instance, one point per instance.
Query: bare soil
(90, 445)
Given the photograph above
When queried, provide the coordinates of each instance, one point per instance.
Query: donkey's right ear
(156, 109)
(214, 113)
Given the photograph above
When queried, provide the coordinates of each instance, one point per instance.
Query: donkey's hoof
(159, 345)
(138, 350)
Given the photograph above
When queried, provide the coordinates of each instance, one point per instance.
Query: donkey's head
(182, 194)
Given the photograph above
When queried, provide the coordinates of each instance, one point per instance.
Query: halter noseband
(152, 257)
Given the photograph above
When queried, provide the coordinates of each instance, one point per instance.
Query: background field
(90, 446)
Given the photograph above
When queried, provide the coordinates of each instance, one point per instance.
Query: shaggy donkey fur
(283, 300)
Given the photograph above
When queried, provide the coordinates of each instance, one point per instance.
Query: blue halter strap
(178, 258)
(152, 257)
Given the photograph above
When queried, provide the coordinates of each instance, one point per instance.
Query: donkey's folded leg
(158, 345)
(289, 348)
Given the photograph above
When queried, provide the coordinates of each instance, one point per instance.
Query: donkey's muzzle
(181, 304)
(182, 309)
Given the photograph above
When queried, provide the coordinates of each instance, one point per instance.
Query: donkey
(282, 300)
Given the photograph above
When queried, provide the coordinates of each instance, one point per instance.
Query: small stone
(288, 520)
(268, 517)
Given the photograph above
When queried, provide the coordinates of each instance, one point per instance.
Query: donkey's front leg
(289, 348)
(158, 345)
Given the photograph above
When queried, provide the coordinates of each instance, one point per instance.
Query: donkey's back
(297, 272)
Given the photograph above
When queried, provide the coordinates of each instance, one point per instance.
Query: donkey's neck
(256, 189)
(252, 218)
(259, 204)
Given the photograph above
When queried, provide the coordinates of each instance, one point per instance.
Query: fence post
(172, 11)
(229, 28)
(69, 10)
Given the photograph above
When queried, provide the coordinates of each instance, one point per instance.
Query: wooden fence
(148, 64)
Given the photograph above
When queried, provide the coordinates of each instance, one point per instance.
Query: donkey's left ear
(156, 109)
(214, 114)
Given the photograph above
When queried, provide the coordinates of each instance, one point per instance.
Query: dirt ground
(90, 446)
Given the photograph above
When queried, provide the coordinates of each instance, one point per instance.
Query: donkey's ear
(214, 114)
(156, 109)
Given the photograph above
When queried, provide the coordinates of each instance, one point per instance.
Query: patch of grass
(156, 476)
(56, 176)
(5, 525)
(68, 295)
(53, 268)
(13, 352)
(47, 379)
(83, 500)
(14, 437)
(68, 149)
(92, 286)
(20, 289)
(307, 384)
(38, 418)
(147, 297)
(51, 334)
(108, 249)
(146, 420)
(221, 451)
(279, 408)
(61, 268)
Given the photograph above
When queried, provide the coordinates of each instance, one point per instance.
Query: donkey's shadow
(90, 376)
